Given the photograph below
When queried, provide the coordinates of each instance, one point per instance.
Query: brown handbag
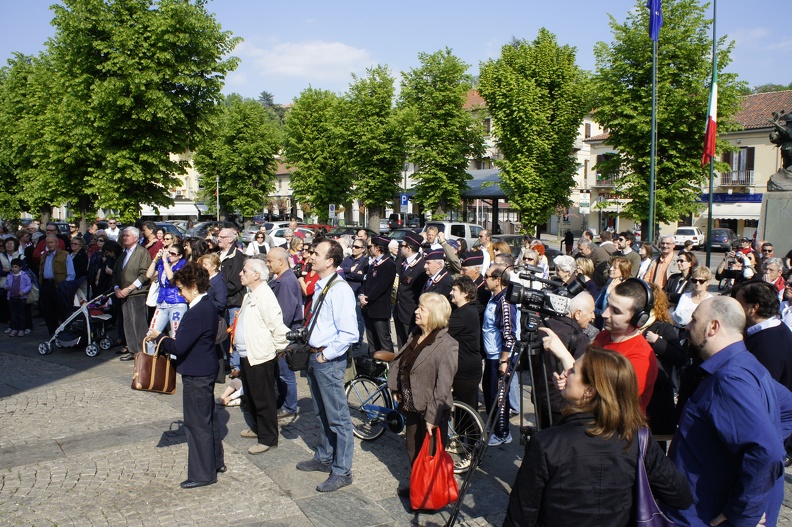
(154, 373)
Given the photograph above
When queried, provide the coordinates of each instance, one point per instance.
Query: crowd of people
(642, 343)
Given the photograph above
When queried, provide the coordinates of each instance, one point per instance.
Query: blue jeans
(287, 387)
(166, 314)
(336, 442)
(233, 360)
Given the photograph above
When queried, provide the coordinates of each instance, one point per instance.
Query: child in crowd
(231, 395)
(18, 285)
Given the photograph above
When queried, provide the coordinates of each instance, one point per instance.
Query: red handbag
(432, 483)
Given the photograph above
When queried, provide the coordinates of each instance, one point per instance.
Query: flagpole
(712, 159)
(653, 144)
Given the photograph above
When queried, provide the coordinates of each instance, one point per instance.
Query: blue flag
(655, 18)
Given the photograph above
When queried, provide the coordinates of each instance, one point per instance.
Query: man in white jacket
(259, 333)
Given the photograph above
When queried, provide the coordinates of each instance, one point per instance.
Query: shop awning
(179, 208)
(735, 211)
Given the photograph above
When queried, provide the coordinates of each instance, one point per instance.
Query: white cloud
(749, 37)
(236, 79)
(314, 60)
(782, 45)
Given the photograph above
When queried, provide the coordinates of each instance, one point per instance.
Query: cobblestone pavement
(78, 447)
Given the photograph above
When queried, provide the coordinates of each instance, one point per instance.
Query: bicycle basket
(369, 367)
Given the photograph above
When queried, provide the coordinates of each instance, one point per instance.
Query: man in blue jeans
(284, 284)
(335, 331)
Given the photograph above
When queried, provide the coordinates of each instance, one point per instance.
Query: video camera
(552, 301)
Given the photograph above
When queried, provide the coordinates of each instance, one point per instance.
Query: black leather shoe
(222, 469)
(189, 484)
(127, 356)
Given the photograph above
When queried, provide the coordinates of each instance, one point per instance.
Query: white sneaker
(8, 331)
(506, 440)
(494, 440)
(28, 331)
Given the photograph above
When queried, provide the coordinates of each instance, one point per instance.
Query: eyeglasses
(528, 259)
(699, 281)
(491, 276)
(621, 239)
(173, 254)
(111, 222)
(682, 260)
(259, 237)
(308, 251)
(767, 250)
(75, 243)
(358, 246)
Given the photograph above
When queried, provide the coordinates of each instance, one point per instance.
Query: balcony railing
(609, 182)
(738, 178)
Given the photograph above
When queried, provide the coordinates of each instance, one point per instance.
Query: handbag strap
(315, 314)
(156, 349)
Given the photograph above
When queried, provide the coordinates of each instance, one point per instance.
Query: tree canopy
(442, 136)
(536, 96)
(623, 83)
(121, 86)
(241, 152)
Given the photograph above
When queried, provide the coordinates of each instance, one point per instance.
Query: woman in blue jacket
(171, 306)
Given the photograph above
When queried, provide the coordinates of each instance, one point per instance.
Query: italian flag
(711, 131)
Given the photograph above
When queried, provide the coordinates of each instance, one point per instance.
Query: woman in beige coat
(422, 374)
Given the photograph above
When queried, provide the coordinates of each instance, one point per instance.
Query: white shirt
(786, 313)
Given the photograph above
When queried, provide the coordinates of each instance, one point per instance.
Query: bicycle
(373, 409)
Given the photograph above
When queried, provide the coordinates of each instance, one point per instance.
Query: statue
(782, 136)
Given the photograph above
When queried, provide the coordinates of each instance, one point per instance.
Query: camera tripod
(529, 326)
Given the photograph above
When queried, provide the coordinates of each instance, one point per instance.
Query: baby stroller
(87, 323)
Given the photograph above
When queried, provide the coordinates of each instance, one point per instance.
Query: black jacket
(570, 479)
(675, 286)
(411, 285)
(194, 345)
(378, 288)
(464, 326)
(231, 267)
(772, 347)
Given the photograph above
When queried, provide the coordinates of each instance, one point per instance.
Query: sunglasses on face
(357, 246)
(528, 259)
(699, 281)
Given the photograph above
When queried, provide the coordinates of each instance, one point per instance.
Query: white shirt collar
(765, 324)
(196, 300)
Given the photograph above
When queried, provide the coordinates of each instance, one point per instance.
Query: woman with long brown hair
(582, 471)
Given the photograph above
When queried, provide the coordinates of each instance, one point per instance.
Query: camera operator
(569, 329)
(736, 266)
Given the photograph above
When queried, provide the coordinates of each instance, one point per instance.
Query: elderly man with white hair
(131, 289)
(260, 333)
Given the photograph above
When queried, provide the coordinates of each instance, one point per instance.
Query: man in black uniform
(471, 266)
(375, 298)
(440, 280)
(412, 277)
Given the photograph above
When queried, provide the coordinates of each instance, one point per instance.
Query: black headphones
(641, 316)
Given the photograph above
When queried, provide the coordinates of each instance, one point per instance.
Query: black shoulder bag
(298, 354)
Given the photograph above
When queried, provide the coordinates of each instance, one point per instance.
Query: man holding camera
(333, 333)
(375, 297)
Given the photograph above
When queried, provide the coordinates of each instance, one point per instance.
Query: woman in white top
(688, 302)
(258, 245)
(645, 252)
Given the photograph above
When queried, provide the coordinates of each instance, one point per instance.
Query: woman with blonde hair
(700, 278)
(582, 471)
(422, 374)
(584, 273)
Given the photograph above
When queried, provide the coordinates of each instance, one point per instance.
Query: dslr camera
(551, 301)
(297, 335)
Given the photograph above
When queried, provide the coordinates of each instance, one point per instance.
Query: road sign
(403, 201)
(332, 212)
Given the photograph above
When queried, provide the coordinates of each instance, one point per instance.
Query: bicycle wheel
(465, 428)
(366, 425)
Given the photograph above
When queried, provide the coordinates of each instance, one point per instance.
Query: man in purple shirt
(729, 443)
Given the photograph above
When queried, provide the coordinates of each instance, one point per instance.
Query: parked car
(385, 226)
(171, 228)
(277, 234)
(248, 234)
(349, 229)
(398, 234)
(693, 234)
(200, 229)
(722, 239)
(453, 229)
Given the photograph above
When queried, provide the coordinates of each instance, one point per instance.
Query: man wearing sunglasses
(624, 245)
(354, 268)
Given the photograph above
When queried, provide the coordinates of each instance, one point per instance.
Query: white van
(452, 229)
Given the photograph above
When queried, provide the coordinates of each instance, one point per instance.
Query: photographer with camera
(736, 266)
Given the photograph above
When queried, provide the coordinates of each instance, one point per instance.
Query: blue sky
(289, 46)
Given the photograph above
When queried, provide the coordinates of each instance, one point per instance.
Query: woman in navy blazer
(196, 361)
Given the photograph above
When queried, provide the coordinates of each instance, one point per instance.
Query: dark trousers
(403, 331)
(415, 432)
(202, 427)
(48, 296)
(466, 391)
(378, 334)
(493, 396)
(259, 384)
(17, 307)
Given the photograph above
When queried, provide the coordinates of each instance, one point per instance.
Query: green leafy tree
(124, 84)
(623, 84)
(267, 100)
(442, 136)
(536, 96)
(766, 88)
(241, 153)
(312, 147)
(373, 140)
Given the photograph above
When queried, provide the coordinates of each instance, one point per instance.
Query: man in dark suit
(131, 289)
(231, 262)
(412, 277)
(440, 280)
(376, 296)
(355, 267)
(471, 267)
